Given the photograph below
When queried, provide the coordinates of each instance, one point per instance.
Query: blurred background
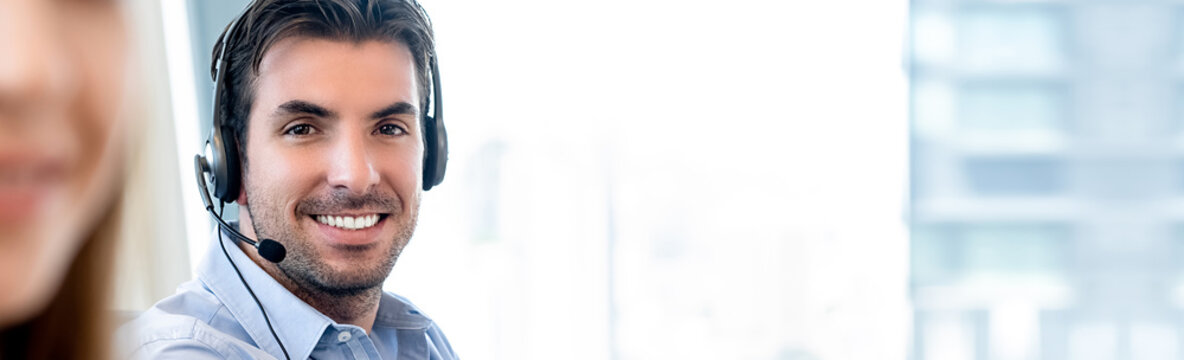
(1046, 179)
(792, 180)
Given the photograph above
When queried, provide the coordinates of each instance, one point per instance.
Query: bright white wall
(669, 179)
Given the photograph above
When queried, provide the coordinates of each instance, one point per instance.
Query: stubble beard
(308, 271)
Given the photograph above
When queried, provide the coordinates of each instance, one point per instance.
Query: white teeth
(348, 222)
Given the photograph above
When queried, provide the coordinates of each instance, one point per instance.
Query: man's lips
(366, 229)
(352, 222)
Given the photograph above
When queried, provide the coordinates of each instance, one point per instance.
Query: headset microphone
(268, 249)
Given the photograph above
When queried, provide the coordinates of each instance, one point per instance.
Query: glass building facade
(1047, 179)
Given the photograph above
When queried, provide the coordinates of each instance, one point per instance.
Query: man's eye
(391, 130)
(302, 129)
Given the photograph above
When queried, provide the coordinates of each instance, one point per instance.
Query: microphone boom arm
(268, 249)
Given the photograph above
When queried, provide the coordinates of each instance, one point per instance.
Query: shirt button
(343, 336)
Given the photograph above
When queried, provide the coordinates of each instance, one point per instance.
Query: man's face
(333, 136)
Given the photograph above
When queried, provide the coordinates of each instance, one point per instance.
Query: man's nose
(34, 66)
(352, 165)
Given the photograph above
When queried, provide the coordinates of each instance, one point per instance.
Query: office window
(934, 36)
(936, 254)
(1015, 38)
(934, 108)
(1015, 250)
(1018, 175)
(1011, 107)
(947, 254)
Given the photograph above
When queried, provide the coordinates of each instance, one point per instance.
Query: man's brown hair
(265, 22)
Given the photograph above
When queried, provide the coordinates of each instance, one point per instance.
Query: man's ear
(242, 195)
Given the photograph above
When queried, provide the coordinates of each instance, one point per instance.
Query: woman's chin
(23, 298)
(33, 262)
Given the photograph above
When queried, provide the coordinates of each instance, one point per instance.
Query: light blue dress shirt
(214, 317)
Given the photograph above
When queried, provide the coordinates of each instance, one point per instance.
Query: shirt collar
(296, 323)
(397, 312)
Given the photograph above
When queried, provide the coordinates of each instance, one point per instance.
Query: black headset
(221, 151)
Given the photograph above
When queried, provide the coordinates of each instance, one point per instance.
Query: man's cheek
(409, 172)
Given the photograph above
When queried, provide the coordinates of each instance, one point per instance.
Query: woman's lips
(27, 184)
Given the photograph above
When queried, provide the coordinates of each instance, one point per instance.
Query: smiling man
(326, 101)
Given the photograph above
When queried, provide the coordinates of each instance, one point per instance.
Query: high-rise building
(1047, 169)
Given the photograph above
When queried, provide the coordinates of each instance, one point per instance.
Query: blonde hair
(76, 324)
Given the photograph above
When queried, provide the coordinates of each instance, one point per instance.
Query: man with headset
(322, 135)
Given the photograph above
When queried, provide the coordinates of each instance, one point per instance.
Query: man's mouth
(350, 222)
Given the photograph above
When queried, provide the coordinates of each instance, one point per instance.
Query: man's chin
(344, 258)
(350, 269)
(346, 284)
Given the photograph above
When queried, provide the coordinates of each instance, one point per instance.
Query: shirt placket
(359, 345)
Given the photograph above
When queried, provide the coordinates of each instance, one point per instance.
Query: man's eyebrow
(304, 107)
(399, 108)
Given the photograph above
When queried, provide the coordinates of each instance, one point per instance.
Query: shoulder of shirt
(399, 307)
(401, 299)
(179, 326)
(436, 336)
(180, 337)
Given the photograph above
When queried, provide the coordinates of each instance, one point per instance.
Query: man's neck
(358, 309)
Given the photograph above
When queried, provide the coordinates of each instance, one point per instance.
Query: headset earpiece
(222, 156)
(435, 159)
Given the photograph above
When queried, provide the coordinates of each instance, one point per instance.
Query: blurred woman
(61, 146)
